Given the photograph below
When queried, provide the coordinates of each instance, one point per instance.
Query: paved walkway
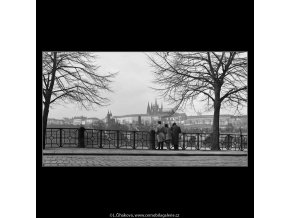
(139, 152)
(91, 157)
(142, 161)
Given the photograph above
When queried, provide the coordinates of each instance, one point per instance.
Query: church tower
(154, 109)
(108, 117)
(148, 109)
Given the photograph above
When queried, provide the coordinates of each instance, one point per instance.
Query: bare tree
(219, 79)
(73, 77)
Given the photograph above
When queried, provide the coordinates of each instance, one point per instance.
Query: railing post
(183, 144)
(101, 137)
(60, 137)
(197, 141)
(81, 137)
(134, 140)
(228, 142)
(118, 133)
(241, 138)
(152, 139)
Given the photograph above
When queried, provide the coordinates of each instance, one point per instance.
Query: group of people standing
(167, 135)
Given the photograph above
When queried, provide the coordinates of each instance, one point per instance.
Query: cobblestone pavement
(94, 151)
(132, 161)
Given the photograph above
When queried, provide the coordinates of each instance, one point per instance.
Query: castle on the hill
(156, 112)
(154, 109)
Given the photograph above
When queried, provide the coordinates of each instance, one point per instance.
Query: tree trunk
(216, 121)
(47, 98)
(215, 129)
(44, 123)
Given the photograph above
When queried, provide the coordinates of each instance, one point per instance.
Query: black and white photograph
(144, 109)
(145, 115)
(130, 109)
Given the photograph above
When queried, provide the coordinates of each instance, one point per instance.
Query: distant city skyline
(131, 88)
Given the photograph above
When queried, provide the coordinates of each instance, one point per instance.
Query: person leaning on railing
(168, 136)
(160, 131)
(175, 135)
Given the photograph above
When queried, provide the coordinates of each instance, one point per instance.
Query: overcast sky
(131, 88)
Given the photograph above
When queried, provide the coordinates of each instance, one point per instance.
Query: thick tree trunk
(215, 129)
(44, 123)
(216, 121)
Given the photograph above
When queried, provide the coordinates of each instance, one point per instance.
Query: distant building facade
(109, 120)
(79, 120)
(206, 121)
(67, 121)
(154, 113)
(91, 121)
(52, 121)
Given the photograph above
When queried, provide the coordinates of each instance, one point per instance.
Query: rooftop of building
(221, 115)
(79, 117)
(54, 119)
(130, 115)
(148, 115)
(82, 117)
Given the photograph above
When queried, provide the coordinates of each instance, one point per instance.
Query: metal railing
(119, 139)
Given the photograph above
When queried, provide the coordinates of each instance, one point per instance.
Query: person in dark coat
(175, 135)
(168, 136)
(160, 131)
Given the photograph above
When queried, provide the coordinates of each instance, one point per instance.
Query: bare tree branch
(76, 78)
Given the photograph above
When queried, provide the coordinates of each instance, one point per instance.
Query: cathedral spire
(148, 109)
(156, 101)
